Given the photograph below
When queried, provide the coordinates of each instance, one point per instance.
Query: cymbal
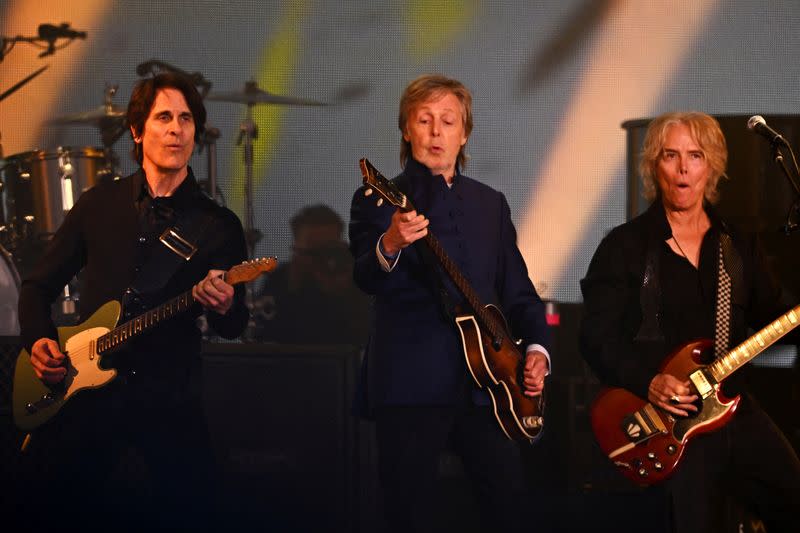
(252, 95)
(109, 119)
(102, 117)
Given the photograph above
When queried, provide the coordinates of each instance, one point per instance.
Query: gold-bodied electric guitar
(84, 345)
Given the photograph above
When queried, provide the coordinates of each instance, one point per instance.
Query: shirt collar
(658, 217)
(416, 170)
(183, 194)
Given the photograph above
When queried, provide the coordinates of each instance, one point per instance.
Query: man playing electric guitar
(673, 275)
(142, 240)
(417, 384)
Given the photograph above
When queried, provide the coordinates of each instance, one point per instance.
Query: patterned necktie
(723, 325)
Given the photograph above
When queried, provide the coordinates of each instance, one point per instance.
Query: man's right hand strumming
(48, 361)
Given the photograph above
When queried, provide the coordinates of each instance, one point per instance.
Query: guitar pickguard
(711, 411)
(83, 369)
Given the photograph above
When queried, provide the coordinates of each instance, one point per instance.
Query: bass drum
(39, 188)
(9, 295)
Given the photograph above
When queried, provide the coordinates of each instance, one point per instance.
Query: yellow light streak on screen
(275, 74)
(435, 24)
(631, 65)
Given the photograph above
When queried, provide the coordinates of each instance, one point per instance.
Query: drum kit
(38, 187)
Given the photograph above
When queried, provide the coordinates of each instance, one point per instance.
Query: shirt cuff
(386, 261)
(539, 348)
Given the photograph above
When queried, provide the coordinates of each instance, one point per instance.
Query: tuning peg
(379, 202)
(368, 191)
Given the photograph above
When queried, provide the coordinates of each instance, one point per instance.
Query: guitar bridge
(532, 422)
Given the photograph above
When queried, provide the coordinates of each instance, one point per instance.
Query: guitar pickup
(701, 382)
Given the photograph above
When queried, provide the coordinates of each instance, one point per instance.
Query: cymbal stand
(791, 217)
(110, 132)
(248, 131)
(209, 143)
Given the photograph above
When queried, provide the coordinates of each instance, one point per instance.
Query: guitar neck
(144, 322)
(486, 319)
(727, 364)
(375, 181)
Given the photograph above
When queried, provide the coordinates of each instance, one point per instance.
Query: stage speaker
(286, 442)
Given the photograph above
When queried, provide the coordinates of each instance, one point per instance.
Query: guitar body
(647, 443)
(500, 373)
(35, 402)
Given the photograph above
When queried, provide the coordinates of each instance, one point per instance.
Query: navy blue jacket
(414, 355)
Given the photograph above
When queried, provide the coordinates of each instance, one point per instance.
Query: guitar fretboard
(487, 321)
(763, 339)
(144, 322)
(388, 191)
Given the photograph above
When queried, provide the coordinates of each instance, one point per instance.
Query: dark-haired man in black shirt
(113, 235)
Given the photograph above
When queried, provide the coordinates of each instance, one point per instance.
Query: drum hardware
(9, 294)
(41, 186)
(251, 95)
(68, 302)
(154, 66)
(65, 165)
(14, 88)
(209, 142)
(109, 118)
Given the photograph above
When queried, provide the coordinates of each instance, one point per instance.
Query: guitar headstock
(250, 270)
(375, 181)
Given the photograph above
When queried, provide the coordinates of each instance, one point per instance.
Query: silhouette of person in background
(312, 299)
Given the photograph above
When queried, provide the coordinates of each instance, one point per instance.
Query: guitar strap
(728, 280)
(650, 295)
(176, 245)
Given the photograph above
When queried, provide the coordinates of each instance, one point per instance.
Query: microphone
(152, 66)
(50, 32)
(758, 125)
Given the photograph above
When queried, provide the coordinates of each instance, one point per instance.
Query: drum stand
(209, 142)
(248, 131)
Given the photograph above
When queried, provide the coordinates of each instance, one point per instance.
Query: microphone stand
(790, 226)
